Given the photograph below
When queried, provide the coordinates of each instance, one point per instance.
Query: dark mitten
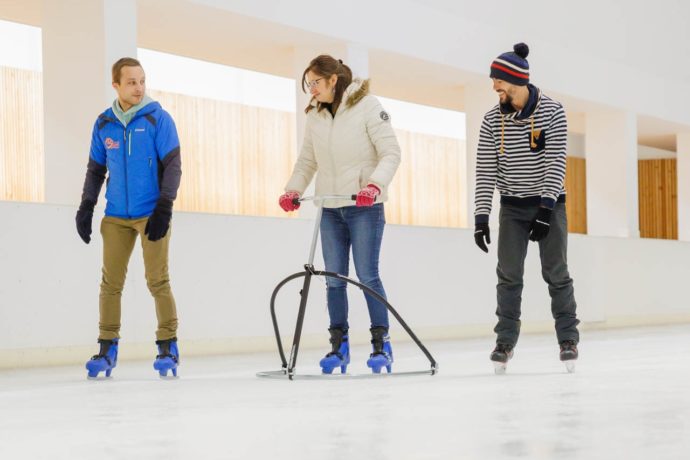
(159, 220)
(482, 234)
(540, 225)
(84, 219)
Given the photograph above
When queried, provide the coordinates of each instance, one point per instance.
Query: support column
(479, 99)
(683, 175)
(357, 59)
(612, 180)
(77, 82)
(120, 26)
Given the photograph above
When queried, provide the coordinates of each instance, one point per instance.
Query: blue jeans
(361, 228)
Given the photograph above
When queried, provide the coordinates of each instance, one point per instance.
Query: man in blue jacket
(135, 144)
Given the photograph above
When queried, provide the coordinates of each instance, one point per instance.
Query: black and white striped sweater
(522, 154)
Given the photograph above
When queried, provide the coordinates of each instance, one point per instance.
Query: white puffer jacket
(355, 148)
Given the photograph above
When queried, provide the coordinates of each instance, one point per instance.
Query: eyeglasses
(312, 84)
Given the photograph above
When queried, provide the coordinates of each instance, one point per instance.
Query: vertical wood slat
(576, 189)
(21, 135)
(658, 198)
(427, 187)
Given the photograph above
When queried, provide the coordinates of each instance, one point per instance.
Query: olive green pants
(119, 236)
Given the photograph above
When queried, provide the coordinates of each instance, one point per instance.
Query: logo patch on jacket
(384, 115)
(111, 144)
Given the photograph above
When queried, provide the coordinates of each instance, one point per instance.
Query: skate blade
(109, 377)
(500, 368)
(168, 374)
(570, 366)
(282, 374)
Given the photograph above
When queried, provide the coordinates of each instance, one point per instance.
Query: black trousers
(513, 241)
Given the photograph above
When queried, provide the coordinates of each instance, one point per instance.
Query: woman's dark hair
(326, 66)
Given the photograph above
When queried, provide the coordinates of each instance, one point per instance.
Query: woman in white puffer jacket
(350, 145)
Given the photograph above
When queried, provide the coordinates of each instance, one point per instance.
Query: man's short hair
(123, 62)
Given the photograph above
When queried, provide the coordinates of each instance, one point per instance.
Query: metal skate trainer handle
(319, 200)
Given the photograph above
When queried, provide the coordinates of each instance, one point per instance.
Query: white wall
(224, 269)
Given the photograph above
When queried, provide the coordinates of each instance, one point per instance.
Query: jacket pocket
(155, 186)
(537, 140)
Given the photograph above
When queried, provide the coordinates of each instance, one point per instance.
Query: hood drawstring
(532, 144)
(531, 135)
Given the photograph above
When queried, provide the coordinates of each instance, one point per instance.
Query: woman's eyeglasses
(312, 84)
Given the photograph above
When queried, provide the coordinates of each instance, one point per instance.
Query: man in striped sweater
(522, 153)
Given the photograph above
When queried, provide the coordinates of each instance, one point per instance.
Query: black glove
(84, 218)
(159, 221)
(481, 231)
(540, 225)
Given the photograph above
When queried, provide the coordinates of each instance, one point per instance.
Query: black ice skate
(569, 354)
(500, 356)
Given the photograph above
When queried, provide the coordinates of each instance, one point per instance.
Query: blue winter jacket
(142, 162)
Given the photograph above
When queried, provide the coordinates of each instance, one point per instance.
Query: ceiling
(220, 36)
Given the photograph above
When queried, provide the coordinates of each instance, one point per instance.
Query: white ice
(628, 399)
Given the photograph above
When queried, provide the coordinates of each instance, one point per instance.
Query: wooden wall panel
(21, 135)
(658, 198)
(427, 188)
(235, 158)
(576, 198)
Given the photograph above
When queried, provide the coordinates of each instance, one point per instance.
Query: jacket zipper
(126, 175)
(330, 151)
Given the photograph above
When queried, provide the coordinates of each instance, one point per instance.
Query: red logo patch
(111, 144)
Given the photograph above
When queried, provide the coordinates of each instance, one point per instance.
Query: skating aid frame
(288, 366)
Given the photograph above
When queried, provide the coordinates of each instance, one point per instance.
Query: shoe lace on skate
(567, 345)
(165, 352)
(103, 353)
(378, 353)
(503, 348)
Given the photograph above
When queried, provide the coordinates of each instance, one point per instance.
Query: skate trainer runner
(349, 140)
(135, 143)
(522, 153)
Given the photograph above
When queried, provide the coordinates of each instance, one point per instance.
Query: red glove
(367, 195)
(285, 201)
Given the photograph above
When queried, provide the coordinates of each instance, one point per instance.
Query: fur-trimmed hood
(356, 91)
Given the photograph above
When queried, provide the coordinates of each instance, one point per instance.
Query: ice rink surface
(628, 399)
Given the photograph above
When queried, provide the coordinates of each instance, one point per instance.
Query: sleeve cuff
(481, 219)
(371, 184)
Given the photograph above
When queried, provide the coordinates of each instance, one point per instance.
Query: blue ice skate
(104, 361)
(382, 352)
(168, 358)
(339, 356)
